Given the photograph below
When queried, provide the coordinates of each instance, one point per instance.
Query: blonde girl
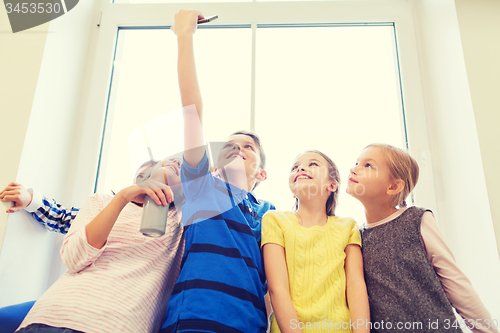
(313, 258)
(411, 276)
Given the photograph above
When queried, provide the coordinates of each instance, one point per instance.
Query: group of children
(321, 272)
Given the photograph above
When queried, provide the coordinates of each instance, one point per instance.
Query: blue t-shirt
(222, 283)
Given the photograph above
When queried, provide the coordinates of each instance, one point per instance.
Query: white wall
(463, 207)
(20, 61)
(29, 259)
(479, 22)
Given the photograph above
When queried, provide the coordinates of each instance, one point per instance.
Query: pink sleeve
(456, 285)
(76, 252)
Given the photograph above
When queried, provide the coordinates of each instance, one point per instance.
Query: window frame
(111, 17)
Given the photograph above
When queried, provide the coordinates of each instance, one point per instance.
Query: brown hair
(401, 166)
(148, 163)
(262, 154)
(256, 139)
(333, 172)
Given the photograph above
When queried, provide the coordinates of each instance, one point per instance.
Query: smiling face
(309, 176)
(371, 178)
(240, 154)
(173, 171)
(168, 172)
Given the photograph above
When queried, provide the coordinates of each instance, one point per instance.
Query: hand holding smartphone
(207, 19)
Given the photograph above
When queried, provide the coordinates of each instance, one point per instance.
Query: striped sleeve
(52, 215)
(76, 252)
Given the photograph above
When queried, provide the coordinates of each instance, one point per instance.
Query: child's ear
(332, 187)
(261, 175)
(397, 186)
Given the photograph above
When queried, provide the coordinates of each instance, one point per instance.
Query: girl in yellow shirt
(312, 258)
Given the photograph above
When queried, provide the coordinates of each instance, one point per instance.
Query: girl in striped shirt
(118, 280)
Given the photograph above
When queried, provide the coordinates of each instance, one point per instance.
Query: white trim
(252, 94)
(399, 12)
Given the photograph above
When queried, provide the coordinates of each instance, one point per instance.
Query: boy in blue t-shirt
(222, 284)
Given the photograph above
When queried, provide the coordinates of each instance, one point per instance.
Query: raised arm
(185, 27)
(357, 297)
(279, 289)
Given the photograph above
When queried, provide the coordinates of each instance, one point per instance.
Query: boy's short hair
(256, 139)
(262, 154)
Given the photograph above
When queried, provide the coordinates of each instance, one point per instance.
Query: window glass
(144, 87)
(333, 89)
(330, 88)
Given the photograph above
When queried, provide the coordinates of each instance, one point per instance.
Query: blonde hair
(401, 166)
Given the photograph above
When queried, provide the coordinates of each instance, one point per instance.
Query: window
(330, 88)
(144, 86)
(300, 81)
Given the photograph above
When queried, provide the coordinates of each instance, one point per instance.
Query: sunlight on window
(333, 89)
(144, 86)
(330, 88)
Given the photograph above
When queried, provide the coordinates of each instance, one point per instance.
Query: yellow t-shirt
(315, 260)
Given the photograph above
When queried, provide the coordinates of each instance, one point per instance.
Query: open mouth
(301, 176)
(173, 168)
(235, 155)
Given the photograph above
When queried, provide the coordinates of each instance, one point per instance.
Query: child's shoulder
(98, 201)
(417, 209)
(278, 215)
(346, 222)
(414, 213)
(275, 213)
(264, 203)
(101, 198)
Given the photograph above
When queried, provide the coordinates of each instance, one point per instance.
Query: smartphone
(208, 19)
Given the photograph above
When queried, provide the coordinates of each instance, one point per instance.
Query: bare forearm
(357, 300)
(190, 95)
(188, 81)
(279, 290)
(284, 311)
(357, 297)
(99, 228)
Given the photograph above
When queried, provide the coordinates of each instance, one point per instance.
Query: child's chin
(235, 165)
(350, 191)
